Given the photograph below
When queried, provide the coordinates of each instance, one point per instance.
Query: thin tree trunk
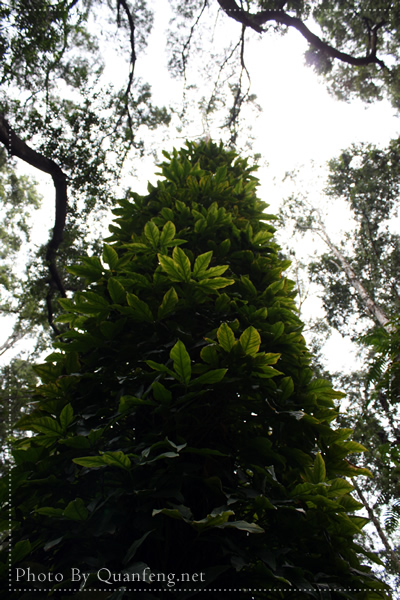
(383, 537)
(370, 305)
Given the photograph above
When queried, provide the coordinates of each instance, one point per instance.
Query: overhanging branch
(20, 149)
(255, 21)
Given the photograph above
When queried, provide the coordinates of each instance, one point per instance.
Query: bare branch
(255, 22)
(12, 339)
(185, 49)
(131, 24)
(239, 96)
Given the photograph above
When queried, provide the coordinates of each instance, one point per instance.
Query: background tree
(359, 278)
(182, 412)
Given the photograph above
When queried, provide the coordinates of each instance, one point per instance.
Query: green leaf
(249, 285)
(20, 551)
(216, 283)
(167, 234)
(160, 456)
(76, 510)
(116, 291)
(319, 469)
(214, 271)
(351, 446)
(217, 518)
(250, 341)
(110, 256)
(128, 402)
(287, 387)
(49, 511)
(213, 376)
(243, 526)
(201, 263)
(47, 425)
(142, 310)
(277, 286)
(47, 372)
(226, 337)
(159, 367)
(160, 393)
(168, 303)
(171, 268)
(152, 234)
(90, 268)
(117, 459)
(175, 513)
(182, 365)
(66, 416)
(90, 461)
(183, 262)
(210, 355)
(340, 487)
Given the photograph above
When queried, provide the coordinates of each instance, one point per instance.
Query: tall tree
(180, 429)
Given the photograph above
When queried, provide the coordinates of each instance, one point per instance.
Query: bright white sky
(300, 122)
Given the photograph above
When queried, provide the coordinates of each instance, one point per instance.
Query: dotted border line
(245, 590)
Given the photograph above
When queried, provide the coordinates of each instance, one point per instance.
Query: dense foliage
(179, 428)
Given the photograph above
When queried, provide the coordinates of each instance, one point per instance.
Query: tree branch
(20, 149)
(255, 21)
(131, 24)
(375, 521)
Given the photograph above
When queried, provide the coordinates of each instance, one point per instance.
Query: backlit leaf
(167, 233)
(201, 263)
(168, 303)
(152, 234)
(182, 365)
(117, 459)
(110, 256)
(250, 341)
(213, 376)
(171, 268)
(216, 283)
(183, 263)
(226, 337)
